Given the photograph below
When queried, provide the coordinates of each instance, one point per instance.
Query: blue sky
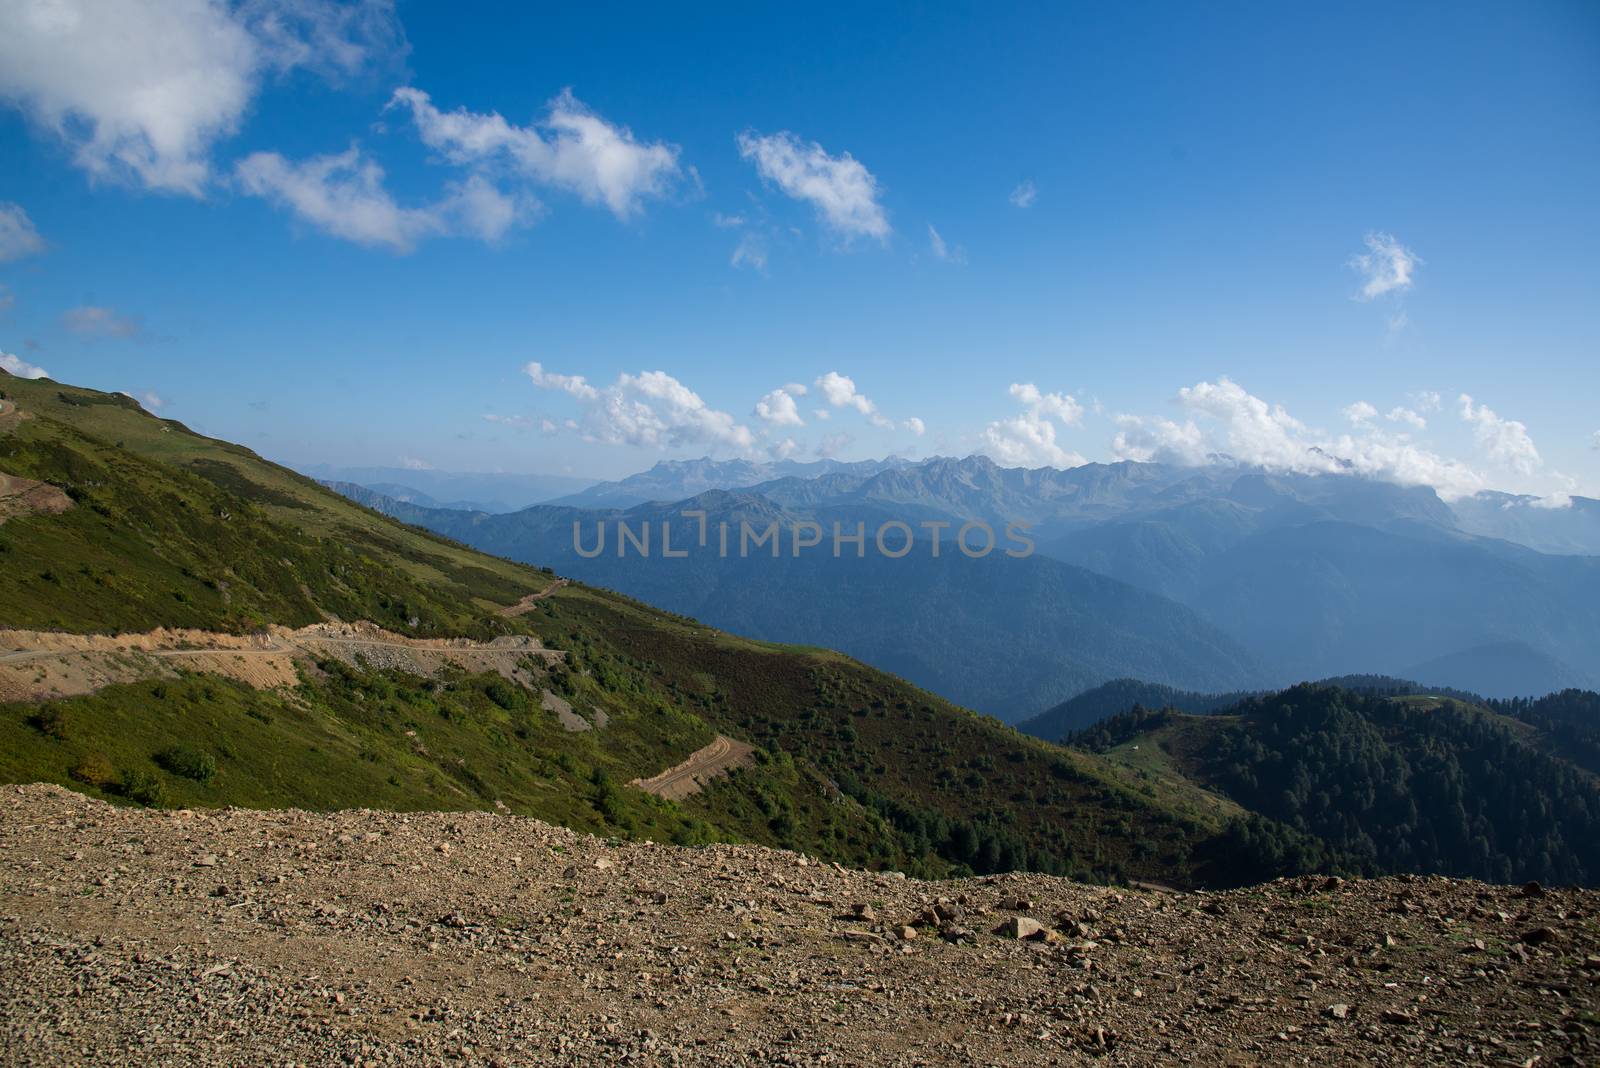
(343, 234)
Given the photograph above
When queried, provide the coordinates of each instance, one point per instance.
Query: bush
(141, 787)
(52, 721)
(94, 770)
(189, 762)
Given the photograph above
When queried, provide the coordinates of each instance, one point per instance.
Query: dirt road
(41, 665)
(702, 765)
(525, 605)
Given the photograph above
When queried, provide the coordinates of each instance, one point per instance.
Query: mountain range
(1271, 577)
(150, 577)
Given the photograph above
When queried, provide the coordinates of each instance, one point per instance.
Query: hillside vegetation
(1395, 784)
(174, 529)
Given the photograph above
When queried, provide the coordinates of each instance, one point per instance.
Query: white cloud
(779, 408)
(1428, 400)
(1252, 431)
(142, 89)
(726, 222)
(343, 195)
(1505, 441)
(411, 463)
(576, 385)
(1062, 406)
(1408, 416)
(1029, 439)
(572, 148)
(782, 450)
(750, 252)
(92, 321)
(650, 409)
(520, 422)
(1386, 267)
(18, 238)
(822, 414)
(1594, 440)
(16, 365)
(943, 252)
(547, 427)
(1360, 412)
(1024, 194)
(915, 425)
(1159, 440)
(840, 391)
(844, 193)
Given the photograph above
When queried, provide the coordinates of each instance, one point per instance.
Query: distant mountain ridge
(469, 491)
(1008, 635)
(675, 480)
(1314, 575)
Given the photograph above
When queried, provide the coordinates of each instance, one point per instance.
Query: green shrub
(189, 762)
(141, 787)
(95, 770)
(52, 721)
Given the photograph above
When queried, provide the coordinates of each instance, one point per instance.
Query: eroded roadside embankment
(45, 665)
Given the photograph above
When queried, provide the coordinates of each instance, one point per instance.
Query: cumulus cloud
(571, 148)
(782, 450)
(92, 321)
(141, 90)
(1386, 267)
(1408, 416)
(1360, 412)
(344, 195)
(18, 238)
(16, 365)
(843, 192)
(1029, 438)
(1225, 418)
(1428, 400)
(1505, 441)
(1158, 440)
(778, 408)
(1024, 194)
(840, 391)
(576, 385)
(915, 425)
(650, 409)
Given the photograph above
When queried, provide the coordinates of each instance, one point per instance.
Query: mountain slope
(1389, 784)
(1119, 695)
(1501, 669)
(173, 529)
(1005, 635)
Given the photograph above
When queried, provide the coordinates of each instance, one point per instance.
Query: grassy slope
(177, 529)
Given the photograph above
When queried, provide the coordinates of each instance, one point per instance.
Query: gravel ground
(240, 938)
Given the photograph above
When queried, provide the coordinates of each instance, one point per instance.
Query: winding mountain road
(681, 780)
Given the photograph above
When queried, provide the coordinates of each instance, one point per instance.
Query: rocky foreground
(235, 937)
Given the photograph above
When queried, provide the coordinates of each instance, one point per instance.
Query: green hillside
(1417, 783)
(174, 529)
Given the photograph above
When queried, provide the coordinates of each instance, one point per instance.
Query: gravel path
(271, 938)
